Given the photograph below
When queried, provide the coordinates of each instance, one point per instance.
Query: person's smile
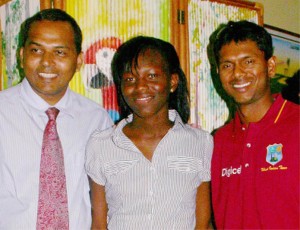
(48, 75)
(241, 85)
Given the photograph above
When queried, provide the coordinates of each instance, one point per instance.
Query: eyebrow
(56, 47)
(240, 58)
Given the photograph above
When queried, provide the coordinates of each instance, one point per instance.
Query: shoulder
(289, 113)
(10, 100)
(84, 102)
(88, 112)
(223, 130)
(197, 132)
(86, 106)
(106, 136)
(100, 141)
(193, 136)
(292, 108)
(100, 135)
(187, 132)
(9, 94)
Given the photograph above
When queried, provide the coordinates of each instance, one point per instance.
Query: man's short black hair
(51, 15)
(241, 31)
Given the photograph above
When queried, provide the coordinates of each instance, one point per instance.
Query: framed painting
(287, 51)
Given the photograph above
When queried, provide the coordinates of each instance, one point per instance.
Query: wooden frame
(286, 49)
(287, 52)
(179, 26)
(58, 4)
(250, 5)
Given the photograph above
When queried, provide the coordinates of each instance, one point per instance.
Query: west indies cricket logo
(274, 154)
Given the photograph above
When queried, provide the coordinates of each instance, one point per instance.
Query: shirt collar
(270, 117)
(118, 134)
(39, 105)
(173, 116)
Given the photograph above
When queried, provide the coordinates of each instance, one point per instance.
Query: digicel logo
(231, 171)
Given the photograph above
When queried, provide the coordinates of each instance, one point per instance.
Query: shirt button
(151, 193)
(248, 145)
(149, 216)
(243, 128)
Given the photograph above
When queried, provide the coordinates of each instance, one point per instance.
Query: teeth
(47, 75)
(242, 85)
(143, 99)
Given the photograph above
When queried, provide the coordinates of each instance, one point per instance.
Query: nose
(238, 71)
(141, 83)
(47, 59)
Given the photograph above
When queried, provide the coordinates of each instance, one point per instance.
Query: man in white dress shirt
(50, 54)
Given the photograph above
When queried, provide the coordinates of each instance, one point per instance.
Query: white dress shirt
(22, 123)
(157, 194)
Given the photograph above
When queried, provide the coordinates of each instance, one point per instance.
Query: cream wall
(284, 14)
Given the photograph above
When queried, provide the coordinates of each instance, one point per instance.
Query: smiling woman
(152, 148)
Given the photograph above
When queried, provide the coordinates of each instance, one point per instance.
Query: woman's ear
(271, 66)
(174, 82)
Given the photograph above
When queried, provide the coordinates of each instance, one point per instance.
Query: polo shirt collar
(270, 117)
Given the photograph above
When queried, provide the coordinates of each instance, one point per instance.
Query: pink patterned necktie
(53, 202)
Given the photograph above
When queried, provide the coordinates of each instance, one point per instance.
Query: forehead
(150, 56)
(240, 48)
(51, 29)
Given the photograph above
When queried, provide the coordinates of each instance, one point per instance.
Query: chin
(242, 101)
